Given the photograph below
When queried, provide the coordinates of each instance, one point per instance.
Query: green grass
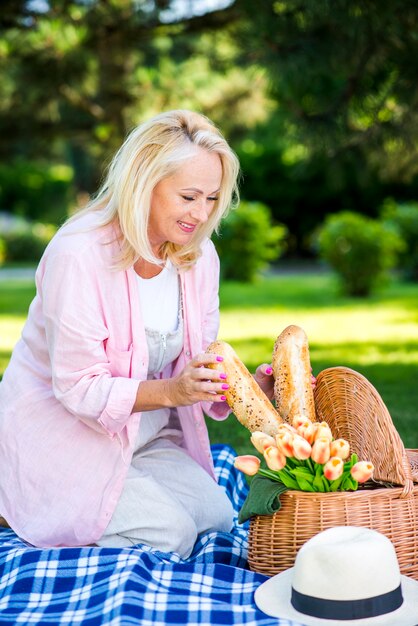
(377, 337)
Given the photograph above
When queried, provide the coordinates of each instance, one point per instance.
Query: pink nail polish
(223, 398)
(224, 386)
(269, 370)
(223, 376)
(219, 358)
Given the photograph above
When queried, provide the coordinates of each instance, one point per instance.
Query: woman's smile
(185, 226)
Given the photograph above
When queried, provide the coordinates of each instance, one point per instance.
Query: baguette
(247, 400)
(292, 373)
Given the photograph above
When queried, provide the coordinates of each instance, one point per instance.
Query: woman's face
(182, 202)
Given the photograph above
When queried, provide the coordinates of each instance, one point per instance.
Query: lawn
(377, 337)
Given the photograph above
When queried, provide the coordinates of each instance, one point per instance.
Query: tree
(77, 74)
(343, 73)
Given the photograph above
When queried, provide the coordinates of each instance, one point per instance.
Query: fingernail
(219, 358)
(223, 398)
(269, 370)
(224, 386)
(223, 376)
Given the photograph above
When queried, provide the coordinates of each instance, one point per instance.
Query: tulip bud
(284, 441)
(340, 448)
(323, 430)
(286, 428)
(301, 448)
(248, 464)
(307, 431)
(261, 441)
(275, 459)
(333, 468)
(298, 420)
(362, 471)
(320, 450)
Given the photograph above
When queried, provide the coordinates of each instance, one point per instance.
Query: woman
(102, 432)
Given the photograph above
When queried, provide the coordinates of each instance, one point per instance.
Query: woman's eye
(213, 199)
(188, 198)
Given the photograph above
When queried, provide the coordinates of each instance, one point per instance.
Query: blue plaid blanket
(138, 585)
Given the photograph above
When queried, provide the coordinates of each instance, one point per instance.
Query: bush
(403, 218)
(2, 251)
(24, 241)
(360, 249)
(36, 191)
(248, 241)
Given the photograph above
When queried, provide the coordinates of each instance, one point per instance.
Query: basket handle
(355, 411)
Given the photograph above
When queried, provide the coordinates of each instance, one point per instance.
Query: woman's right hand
(198, 383)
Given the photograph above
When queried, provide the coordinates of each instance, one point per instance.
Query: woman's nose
(201, 210)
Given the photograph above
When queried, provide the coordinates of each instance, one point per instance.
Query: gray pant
(167, 501)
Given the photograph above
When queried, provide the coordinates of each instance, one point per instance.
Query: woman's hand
(198, 383)
(264, 376)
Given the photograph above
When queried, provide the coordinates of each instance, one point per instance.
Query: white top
(159, 299)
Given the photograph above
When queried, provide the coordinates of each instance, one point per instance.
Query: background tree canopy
(317, 98)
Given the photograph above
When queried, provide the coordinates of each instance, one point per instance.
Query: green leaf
(335, 484)
(326, 484)
(304, 484)
(318, 484)
(306, 475)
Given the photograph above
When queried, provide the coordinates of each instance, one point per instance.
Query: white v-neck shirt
(159, 298)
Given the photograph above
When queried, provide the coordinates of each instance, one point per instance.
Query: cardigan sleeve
(76, 335)
(210, 324)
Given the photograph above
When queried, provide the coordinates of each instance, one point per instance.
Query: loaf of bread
(245, 397)
(292, 373)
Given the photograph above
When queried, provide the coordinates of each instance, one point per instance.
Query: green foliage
(359, 249)
(342, 72)
(248, 241)
(403, 218)
(36, 191)
(27, 244)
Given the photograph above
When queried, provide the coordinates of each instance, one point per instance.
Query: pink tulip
(340, 448)
(247, 463)
(333, 468)
(301, 448)
(320, 450)
(275, 459)
(323, 430)
(261, 441)
(298, 420)
(306, 430)
(284, 441)
(362, 471)
(286, 428)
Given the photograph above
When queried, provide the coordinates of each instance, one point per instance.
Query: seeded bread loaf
(292, 373)
(245, 397)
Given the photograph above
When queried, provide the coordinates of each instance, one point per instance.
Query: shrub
(403, 218)
(360, 250)
(37, 191)
(25, 241)
(2, 251)
(248, 241)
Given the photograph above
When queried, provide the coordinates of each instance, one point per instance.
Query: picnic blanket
(139, 585)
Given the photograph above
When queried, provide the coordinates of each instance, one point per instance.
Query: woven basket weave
(354, 410)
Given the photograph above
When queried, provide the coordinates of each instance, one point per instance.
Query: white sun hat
(343, 575)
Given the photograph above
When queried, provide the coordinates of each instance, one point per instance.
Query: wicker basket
(354, 411)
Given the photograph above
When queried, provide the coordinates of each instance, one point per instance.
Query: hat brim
(273, 598)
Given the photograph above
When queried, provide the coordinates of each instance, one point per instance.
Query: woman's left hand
(264, 377)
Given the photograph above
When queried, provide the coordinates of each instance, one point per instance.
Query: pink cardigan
(66, 427)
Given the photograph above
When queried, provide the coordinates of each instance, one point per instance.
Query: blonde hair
(150, 153)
